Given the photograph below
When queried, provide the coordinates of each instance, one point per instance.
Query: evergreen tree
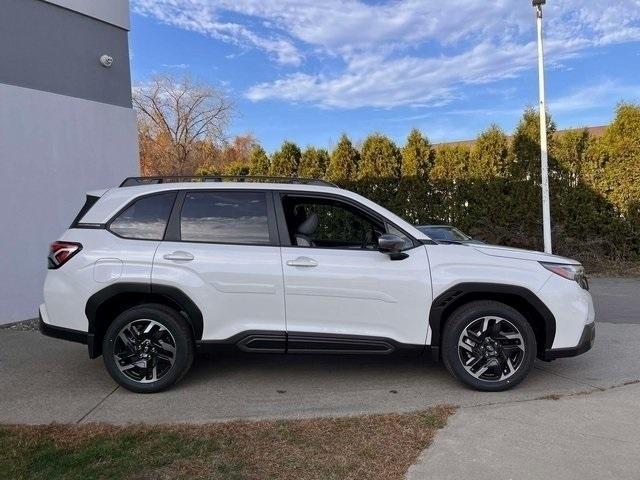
(313, 163)
(490, 154)
(417, 156)
(525, 146)
(284, 162)
(451, 162)
(380, 158)
(236, 168)
(571, 154)
(259, 162)
(344, 161)
(616, 160)
(208, 171)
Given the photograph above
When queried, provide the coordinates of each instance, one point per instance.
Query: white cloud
(405, 52)
(180, 66)
(594, 95)
(202, 16)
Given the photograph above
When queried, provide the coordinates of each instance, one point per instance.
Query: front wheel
(148, 348)
(488, 345)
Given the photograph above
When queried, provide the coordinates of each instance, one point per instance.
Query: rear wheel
(148, 348)
(488, 345)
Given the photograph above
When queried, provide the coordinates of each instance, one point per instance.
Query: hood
(521, 254)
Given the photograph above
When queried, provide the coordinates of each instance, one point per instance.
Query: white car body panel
(453, 264)
(358, 293)
(103, 260)
(521, 254)
(571, 305)
(237, 287)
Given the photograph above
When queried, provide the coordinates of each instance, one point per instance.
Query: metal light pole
(544, 160)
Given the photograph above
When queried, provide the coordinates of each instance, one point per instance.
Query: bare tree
(180, 124)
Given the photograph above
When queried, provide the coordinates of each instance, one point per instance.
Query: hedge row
(491, 189)
(507, 212)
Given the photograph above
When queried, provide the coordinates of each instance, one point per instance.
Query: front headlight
(570, 272)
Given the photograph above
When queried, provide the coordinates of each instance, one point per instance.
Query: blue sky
(308, 70)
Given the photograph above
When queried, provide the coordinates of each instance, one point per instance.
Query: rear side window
(146, 218)
(225, 217)
(89, 202)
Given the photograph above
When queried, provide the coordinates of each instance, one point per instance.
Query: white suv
(158, 269)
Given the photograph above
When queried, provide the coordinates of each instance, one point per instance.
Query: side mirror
(391, 244)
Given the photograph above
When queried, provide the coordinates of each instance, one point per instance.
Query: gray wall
(115, 12)
(52, 149)
(50, 48)
(66, 127)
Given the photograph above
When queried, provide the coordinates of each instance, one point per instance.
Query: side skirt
(306, 342)
(253, 341)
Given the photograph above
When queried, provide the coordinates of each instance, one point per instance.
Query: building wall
(115, 12)
(66, 127)
(57, 50)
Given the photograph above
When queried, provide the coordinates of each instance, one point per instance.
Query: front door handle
(178, 256)
(302, 262)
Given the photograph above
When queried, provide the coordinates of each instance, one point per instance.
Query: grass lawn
(371, 447)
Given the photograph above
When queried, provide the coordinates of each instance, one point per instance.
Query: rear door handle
(178, 256)
(302, 262)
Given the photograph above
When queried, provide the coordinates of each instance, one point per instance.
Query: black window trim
(90, 201)
(283, 229)
(173, 231)
(276, 221)
(107, 225)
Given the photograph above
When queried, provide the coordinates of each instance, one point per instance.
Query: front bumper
(584, 345)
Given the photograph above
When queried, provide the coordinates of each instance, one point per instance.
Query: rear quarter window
(225, 217)
(89, 202)
(145, 219)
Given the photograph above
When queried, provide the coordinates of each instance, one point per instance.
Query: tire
(148, 348)
(488, 334)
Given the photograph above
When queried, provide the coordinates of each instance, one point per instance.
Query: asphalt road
(617, 300)
(45, 380)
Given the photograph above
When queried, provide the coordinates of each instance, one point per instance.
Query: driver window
(326, 223)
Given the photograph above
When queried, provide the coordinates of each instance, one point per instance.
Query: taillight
(61, 252)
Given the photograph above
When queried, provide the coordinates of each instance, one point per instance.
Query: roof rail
(133, 181)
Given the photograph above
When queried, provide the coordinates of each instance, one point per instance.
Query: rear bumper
(61, 332)
(584, 345)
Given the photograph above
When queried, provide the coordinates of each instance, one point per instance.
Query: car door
(221, 249)
(341, 293)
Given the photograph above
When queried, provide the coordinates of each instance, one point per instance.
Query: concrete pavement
(46, 380)
(582, 436)
(592, 436)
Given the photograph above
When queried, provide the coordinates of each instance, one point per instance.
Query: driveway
(45, 380)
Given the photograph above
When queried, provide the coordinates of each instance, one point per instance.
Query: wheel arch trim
(173, 294)
(462, 293)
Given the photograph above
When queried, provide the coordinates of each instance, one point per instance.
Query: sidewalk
(583, 436)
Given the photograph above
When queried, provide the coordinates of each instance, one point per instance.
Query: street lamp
(544, 160)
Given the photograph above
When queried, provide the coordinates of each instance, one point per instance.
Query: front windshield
(445, 233)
